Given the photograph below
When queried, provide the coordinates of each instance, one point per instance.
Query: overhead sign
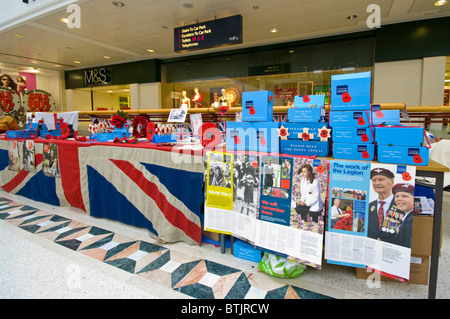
(208, 34)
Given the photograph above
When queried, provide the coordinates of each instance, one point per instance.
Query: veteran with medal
(382, 181)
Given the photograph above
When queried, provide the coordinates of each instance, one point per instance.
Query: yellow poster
(219, 187)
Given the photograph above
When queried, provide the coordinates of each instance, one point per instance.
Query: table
(143, 185)
(435, 170)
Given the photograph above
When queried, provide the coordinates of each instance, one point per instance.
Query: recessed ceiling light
(274, 30)
(151, 50)
(106, 57)
(18, 35)
(118, 4)
(77, 62)
(440, 3)
(57, 65)
(65, 20)
(351, 17)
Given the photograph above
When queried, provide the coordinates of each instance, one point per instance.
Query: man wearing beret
(382, 181)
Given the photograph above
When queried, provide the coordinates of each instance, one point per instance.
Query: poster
(50, 165)
(29, 158)
(370, 214)
(290, 220)
(13, 156)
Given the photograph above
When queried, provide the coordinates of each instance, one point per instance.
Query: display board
(208, 34)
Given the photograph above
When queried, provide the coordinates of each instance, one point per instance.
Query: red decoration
(406, 176)
(306, 98)
(417, 159)
(320, 169)
(379, 114)
(305, 136)
(346, 98)
(251, 110)
(150, 130)
(365, 154)
(361, 121)
(65, 132)
(223, 109)
(345, 223)
(140, 126)
(364, 138)
(210, 135)
(118, 121)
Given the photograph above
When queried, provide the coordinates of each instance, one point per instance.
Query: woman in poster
(268, 174)
(216, 177)
(310, 200)
(8, 82)
(7, 122)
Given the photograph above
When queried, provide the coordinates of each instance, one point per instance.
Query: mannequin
(223, 99)
(185, 101)
(197, 98)
(216, 103)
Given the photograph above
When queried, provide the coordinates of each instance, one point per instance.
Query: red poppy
(283, 132)
(364, 138)
(223, 109)
(417, 159)
(65, 132)
(305, 136)
(237, 140)
(262, 141)
(365, 154)
(251, 110)
(379, 114)
(361, 121)
(346, 97)
(320, 169)
(150, 129)
(254, 163)
(406, 176)
(324, 133)
(306, 98)
(117, 121)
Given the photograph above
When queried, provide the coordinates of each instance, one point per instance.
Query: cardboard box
(386, 117)
(240, 136)
(266, 137)
(364, 152)
(305, 148)
(304, 115)
(211, 235)
(351, 91)
(295, 130)
(399, 136)
(422, 235)
(418, 271)
(309, 101)
(257, 106)
(352, 135)
(406, 155)
(349, 119)
(246, 251)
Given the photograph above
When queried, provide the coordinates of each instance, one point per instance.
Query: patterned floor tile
(198, 278)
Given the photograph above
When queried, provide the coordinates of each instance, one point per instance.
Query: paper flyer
(29, 157)
(13, 156)
(370, 214)
(50, 165)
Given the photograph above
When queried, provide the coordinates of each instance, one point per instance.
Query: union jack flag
(158, 188)
(280, 118)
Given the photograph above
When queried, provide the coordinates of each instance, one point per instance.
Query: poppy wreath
(345, 223)
(118, 121)
(150, 129)
(141, 123)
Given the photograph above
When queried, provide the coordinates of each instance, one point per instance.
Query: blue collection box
(305, 148)
(246, 251)
(305, 115)
(257, 106)
(240, 136)
(296, 129)
(352, 135)
(309, 101)
(349, 119)
(406, 155)
(351, 91)
(386, 117)
(399, 136)
(364, 152)
(266, 137)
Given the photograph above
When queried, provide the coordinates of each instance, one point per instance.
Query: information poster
(13, 156)
(29, 158)
(370, 213)
(50, 165)
(290, 221)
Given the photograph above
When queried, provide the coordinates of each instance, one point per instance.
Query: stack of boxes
(257, 131)
(401, 145)
(353, 137)
(306, 133)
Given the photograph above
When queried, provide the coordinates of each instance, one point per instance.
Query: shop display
(351, 91)
(257, 106)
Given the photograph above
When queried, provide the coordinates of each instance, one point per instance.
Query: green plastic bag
(280, 267)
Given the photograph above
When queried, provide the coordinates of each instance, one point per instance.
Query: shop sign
(9, 100)
(38, 101)
(97, 76)
(208, 34)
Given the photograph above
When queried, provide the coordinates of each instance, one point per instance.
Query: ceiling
(124, 34)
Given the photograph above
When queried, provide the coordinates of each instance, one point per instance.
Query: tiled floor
(53, 252)
(195, 277)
